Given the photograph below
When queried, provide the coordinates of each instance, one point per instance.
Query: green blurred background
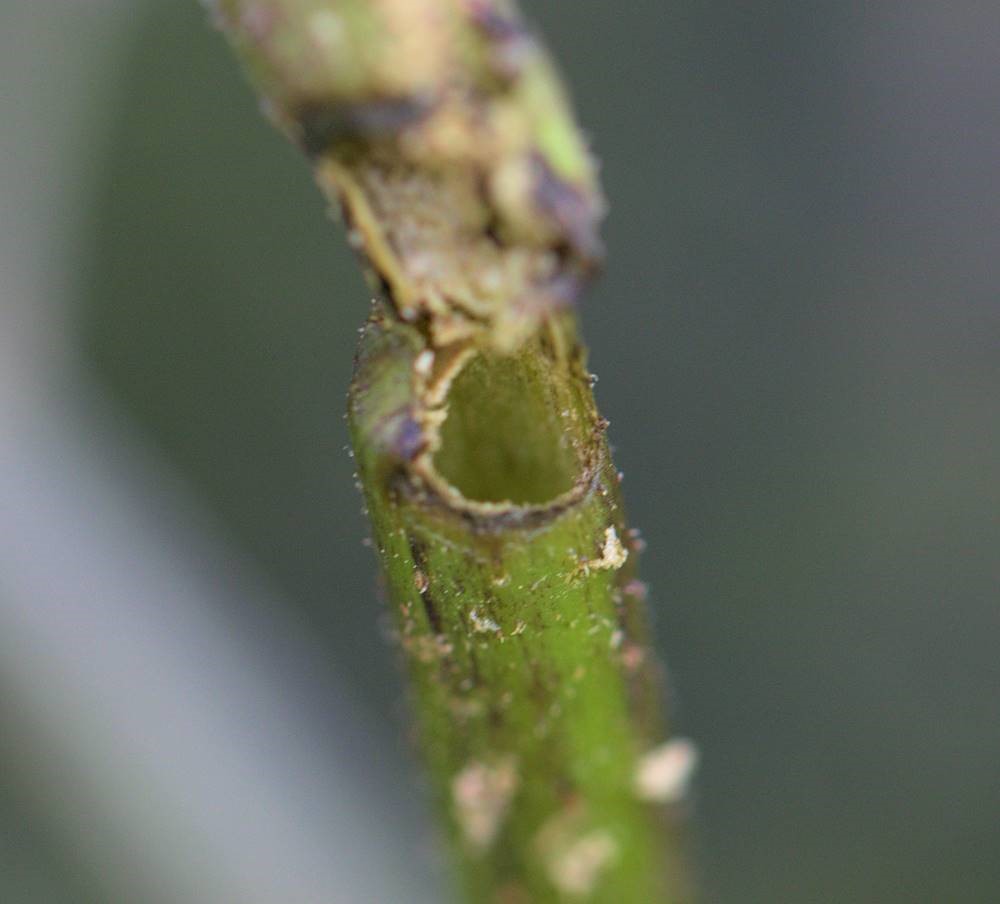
(798, 344)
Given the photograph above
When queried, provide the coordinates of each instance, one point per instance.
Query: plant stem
(441, 131)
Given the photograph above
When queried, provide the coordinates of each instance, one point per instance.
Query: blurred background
(798, 340)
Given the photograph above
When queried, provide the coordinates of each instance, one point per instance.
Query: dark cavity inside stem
(506, 437)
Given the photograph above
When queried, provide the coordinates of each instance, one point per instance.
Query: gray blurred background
(798, 343)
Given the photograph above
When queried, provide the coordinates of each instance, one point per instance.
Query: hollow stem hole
(505, 438)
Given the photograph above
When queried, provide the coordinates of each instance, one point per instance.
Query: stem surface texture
(440, 131)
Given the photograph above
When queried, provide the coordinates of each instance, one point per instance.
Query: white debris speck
(664, 773)
(633, 656)
(425, 648)
(481, 794)
(613, 554)
(617, 636)
(576, 869)
(483, 623)
(327, 29)
(423, 363)
(636, 589)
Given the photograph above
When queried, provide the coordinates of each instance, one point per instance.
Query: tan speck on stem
(613, 554)
(663, 774)
(576, 869)
(481, 795)
(483, 624)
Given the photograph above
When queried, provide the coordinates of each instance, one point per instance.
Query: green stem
(440, 129)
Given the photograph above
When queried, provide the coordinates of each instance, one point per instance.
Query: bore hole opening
(506, 438)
